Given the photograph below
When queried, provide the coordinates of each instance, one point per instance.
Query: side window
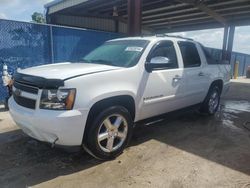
(165, 49)
(210, 59)
(206, 52)
(190, 55)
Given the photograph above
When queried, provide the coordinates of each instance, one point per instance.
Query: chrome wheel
(213, 102)
(112, 133)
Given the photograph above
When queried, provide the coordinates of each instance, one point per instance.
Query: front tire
(109, 133)
(212, 101)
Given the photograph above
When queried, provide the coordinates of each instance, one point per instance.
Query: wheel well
(123, 100)
(218, 83)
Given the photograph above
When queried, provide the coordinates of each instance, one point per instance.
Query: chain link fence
(25, 45)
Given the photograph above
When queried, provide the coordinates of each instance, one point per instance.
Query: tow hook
(54, 143)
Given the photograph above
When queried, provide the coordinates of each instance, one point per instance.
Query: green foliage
(38, 17)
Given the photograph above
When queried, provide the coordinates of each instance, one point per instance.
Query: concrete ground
(188, 150)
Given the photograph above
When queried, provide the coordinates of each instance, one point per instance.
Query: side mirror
(155, 63)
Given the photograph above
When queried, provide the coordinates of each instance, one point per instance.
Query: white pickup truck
(95, 103)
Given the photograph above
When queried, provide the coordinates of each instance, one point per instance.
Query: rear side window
(190, 55)
(209, 57)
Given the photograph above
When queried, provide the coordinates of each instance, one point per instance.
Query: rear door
(194, 72)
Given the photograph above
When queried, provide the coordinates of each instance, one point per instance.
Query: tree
(38, 17)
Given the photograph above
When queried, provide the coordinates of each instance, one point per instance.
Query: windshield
(123, 53)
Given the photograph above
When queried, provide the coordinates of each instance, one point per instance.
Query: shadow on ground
(222, 139)
(25, 161)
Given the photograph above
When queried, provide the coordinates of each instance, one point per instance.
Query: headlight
(61, 99)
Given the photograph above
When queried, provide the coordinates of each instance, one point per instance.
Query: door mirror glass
(157, 63)
(159, 60)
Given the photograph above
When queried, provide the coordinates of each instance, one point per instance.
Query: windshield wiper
(100, 61)
(85, 61)
(106, 62)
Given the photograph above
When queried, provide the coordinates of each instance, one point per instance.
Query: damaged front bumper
(63, 128)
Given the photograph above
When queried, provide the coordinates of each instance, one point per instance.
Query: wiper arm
(102, 61)
(85, 61)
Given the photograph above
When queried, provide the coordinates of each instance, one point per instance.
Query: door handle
(177, 78)
(201, 74)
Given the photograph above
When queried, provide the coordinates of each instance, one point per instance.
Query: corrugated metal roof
(53, 3)
(86, 22)
(59, 5)
(163, 15)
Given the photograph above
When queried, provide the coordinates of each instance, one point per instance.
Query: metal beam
(190, 15)
(167, 8)
(163, 9)
(206, 9)
(187, 27)
(190, 20)
(212, 13)
(234, 8)
(228, 2)
(146, 5)
(185, 16)
(172, 11)
(237, 15)
(155, 16)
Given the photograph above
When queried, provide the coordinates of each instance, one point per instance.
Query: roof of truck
(156, 37)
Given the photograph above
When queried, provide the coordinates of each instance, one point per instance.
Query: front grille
(27, 88)
(25, 102)
(19, 95)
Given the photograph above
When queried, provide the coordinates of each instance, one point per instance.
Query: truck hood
(66, 70)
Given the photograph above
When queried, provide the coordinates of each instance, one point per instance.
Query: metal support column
(224, 46)
(116, 22)
(134, 17)
(52, 44)
(230, 42)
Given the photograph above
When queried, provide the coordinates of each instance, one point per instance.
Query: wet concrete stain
(232, 112)
(236, 106)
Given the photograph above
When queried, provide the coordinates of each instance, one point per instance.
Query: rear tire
(109, 133)
(212, 101)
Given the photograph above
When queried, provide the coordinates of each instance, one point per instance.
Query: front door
(163, 88)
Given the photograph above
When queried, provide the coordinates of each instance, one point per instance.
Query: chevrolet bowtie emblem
(18, 92)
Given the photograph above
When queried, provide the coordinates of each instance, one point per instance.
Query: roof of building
(162, 15)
